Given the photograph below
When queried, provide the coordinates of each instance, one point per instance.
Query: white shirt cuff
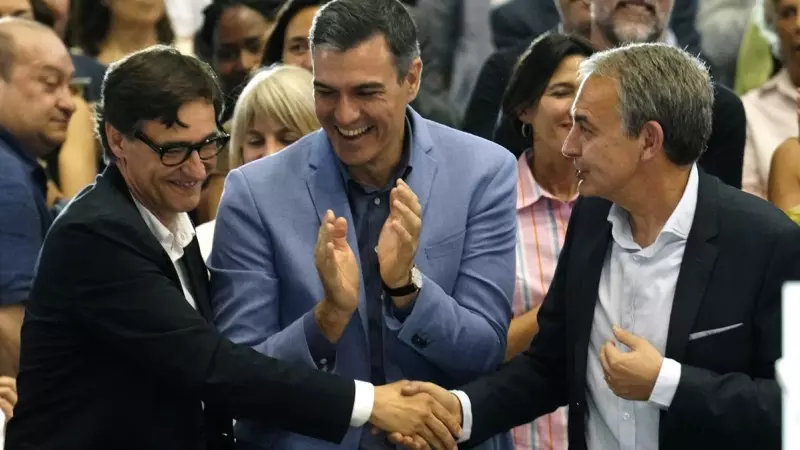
(362, 405)
(466, 415)
(666, 384)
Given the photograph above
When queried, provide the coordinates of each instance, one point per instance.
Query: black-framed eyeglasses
(175, 154)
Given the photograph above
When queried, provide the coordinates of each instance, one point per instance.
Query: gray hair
(661, 83)
(343, 24)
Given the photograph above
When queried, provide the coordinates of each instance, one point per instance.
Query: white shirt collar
(172, 240)
(679, 223)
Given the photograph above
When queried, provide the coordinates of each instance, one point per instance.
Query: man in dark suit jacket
(117, 347)
(663, 322)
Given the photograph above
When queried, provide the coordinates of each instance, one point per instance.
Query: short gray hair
(664, 84)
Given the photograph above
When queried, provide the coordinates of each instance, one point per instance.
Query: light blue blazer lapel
(327, 190)
(424, 165)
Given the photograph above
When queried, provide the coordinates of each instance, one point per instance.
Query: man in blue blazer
(380, 248)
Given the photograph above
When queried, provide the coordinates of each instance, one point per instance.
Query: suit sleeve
(450, 330)
(245, 288)
(121, 299)
(533, 383)
(747, 406)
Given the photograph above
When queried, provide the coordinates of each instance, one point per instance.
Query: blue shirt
(24, 218)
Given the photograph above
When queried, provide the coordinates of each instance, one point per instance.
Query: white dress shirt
(636, 289)
(175, 240)
(205, 237)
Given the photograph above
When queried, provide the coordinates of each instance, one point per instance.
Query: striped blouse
(542, 224)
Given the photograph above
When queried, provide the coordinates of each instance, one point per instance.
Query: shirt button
(377, 201)
(626, 416)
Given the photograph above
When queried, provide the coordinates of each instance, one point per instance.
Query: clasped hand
(417, 415)
(631, 375)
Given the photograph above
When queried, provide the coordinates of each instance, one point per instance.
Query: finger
(604, 360)
(338, 230)
(412, 388)
(7, 408)
(9, 395)
(402, 233)
(432, 435)
(447, 419)
(9, 381)
(443, 438)
(627, 338)
(411, 221)
(419, 443)
(408, 197)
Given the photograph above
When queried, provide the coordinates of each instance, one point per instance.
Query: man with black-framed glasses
(118, 349)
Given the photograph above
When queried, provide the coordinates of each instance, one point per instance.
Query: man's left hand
(631, 375)
(399, 238)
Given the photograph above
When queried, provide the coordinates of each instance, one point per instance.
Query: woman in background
(538, 100)
(232, 40)
(288, 41)
(109, 30)
(275, 109)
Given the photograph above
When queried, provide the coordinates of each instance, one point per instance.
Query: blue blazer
(264, 281)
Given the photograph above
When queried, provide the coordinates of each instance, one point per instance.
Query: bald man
(35, 108)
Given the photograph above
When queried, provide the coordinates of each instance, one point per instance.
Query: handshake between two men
(417, 415)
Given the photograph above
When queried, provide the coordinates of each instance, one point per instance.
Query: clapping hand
(336, 263)
(415, 418)
(399, 238)
(631, 375)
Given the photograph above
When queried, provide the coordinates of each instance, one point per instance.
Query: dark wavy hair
(273, 51)
(89, 22)
(534, 69)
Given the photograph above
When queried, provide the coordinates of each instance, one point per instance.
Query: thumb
(412, 388)
(627, 338)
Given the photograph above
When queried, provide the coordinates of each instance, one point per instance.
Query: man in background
(35, 108)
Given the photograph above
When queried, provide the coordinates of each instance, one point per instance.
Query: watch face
(416, 277)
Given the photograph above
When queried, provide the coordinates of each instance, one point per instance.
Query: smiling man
(425, 219)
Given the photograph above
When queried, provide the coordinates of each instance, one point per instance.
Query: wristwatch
(414, 286)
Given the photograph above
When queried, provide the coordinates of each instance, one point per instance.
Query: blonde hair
(282, 94)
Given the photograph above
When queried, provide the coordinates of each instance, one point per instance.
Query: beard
(622, 30)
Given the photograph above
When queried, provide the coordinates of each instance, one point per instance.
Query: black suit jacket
(114, 357)
(738, 253)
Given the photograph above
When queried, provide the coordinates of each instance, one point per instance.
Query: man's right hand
(338, 270)
(446, 399)
(8, 396)
(416, 421)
